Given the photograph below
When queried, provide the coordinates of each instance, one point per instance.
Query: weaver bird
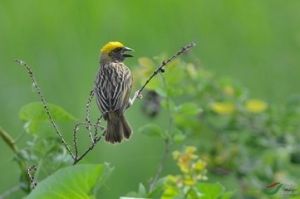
(112, 90)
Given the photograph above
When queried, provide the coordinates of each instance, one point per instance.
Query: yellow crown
(111, 46)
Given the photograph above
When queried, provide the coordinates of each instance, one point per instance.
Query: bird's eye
(117, 50)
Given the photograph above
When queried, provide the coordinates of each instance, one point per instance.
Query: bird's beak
(127, 49)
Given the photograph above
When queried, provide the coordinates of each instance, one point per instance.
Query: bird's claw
(139, 95)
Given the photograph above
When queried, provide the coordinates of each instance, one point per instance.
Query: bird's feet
(138, 95)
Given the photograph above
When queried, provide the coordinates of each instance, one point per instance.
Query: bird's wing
(113, 86)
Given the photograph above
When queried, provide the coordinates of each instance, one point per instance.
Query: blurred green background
(254, 42)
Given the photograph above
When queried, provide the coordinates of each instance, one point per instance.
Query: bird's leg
(136, 95)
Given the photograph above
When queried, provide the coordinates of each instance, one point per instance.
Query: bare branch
(45, 104)
(94, 138)
(31, 172)
(87, 117)
(97, 139)
(161, 69)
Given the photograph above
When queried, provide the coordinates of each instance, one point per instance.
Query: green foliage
(44, 149)
(37, 121)
(256, 42)
(213, 190)
(244, 140)
(77, 182)
(152, 130)
(243, 143)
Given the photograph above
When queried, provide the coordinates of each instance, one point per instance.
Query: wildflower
(256, 106)
(223, 108)
(189, 181)
(190, 150)
(199, 165)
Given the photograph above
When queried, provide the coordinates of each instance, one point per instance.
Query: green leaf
(188, 108)
(158, 188)
(76, 182)
(142, 190)
(186, 116)
(211, 190)
(178, 136)
(36, 119)
(151, 130)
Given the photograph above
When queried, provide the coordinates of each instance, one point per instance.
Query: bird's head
(115, 51)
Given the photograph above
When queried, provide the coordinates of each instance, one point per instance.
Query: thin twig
(9, 141)
(94, 138)
(75, 130)
(87, 116)
(45, 105)
(161, 69)
(87, 106)
(98, 125)
(97, 139)
(31, 174)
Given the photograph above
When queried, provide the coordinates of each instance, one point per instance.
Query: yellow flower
(184, 163)
(189, 181)
(256, 106)
(228, 90)
(223, 108)
(199, 165)
(190, 149)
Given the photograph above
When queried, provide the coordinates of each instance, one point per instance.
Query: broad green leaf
(36, 119)
(76, 182)
(35, 111)
(151, 130)
(211, 190)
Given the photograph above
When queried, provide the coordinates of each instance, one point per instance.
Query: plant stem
(161, 69)
(167, 141)
(161, 164)
(8, 140)
(45, 105)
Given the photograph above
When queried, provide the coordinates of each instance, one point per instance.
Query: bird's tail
(117, 128)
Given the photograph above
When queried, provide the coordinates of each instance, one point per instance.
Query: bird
(112, 89)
